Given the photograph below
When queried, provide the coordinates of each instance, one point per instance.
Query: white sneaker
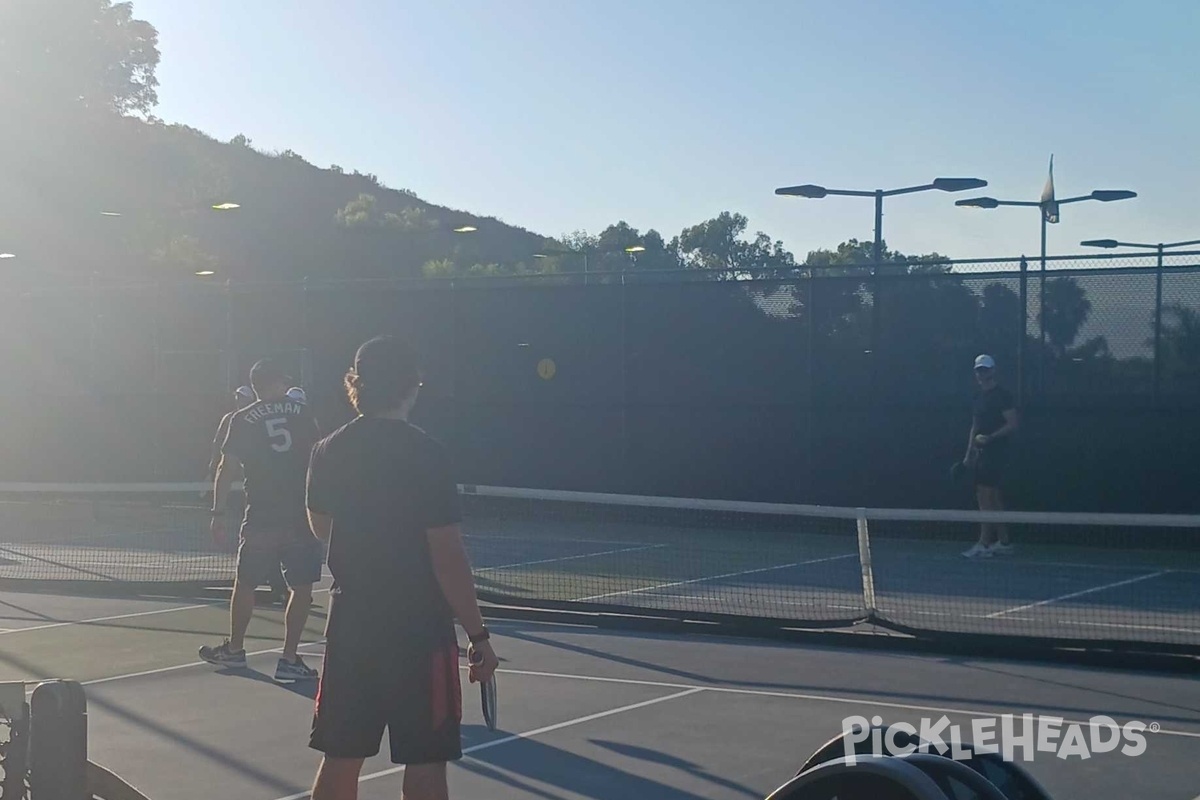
(1001, 549)
(978, 551)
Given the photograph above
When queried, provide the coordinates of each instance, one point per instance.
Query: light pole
(1048, 205)
(1158, 282)
(940, 184)
(818, 192)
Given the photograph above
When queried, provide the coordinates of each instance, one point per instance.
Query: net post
(864, 558)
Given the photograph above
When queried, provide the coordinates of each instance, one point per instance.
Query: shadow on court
(585, 714)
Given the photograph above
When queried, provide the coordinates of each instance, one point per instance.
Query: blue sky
(560, 115)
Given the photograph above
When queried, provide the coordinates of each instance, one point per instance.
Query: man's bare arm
(1011, 423)
(222, 482)
(453, 571)
(321, 524)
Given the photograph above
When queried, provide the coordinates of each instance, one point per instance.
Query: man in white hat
(994, 420)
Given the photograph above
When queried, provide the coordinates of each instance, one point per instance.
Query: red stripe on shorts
(455, 679)
(438, 689)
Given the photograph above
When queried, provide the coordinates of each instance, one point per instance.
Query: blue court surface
(583, 713)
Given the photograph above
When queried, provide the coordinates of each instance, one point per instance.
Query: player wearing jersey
(271, 439)
(244, 396)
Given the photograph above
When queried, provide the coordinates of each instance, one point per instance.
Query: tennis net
(1072, 578)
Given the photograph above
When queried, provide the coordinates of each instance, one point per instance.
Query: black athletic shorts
(990, 466)
(372, 682)
(265, 547)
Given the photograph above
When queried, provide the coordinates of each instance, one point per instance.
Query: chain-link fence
(847, 385)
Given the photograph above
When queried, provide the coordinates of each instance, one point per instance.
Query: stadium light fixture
(814, 192)
(466, 229)
(958, 184)
(205, 273)
(6, 256)
(979, 202)
(807, 190)
(1109, 195)
(226, 207)
(1048, 210)
(637, 248)
(110, 213)
(1111, 243)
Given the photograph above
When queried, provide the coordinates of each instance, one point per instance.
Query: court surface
(1042, 590)
(1081, 592)
(583, 713)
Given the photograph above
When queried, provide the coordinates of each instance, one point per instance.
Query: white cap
(297, 394)
(985, 362)
(244, 393)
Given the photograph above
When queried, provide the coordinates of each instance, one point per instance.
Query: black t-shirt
(273, 439)
(385, 483)
(988, 412)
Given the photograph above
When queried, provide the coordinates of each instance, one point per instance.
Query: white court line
(68, 623)
(815, 604)
(548, 538)
(570, 558)
(713, 578)
(175, 668)
(1081, 593)
(1017, 561)
(527, 735)
(689, 688)
(1165, 628)
(822, 698)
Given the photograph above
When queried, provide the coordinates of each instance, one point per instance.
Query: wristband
(482, 636)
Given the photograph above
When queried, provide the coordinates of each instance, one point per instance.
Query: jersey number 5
(276, 430)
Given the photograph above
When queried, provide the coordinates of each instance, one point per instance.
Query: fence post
(1158, 309)
(810, 378)
(1022, 330)
(626, 481)
(231, 369)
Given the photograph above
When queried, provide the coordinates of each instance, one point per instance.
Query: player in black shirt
(994, 420)
(242, 397)
(271, 439)
(381, 492)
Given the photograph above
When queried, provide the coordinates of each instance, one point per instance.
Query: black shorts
(372, 682)
(990, 466)
(264, 548)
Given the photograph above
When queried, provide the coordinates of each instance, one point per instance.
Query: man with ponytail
(381, 492)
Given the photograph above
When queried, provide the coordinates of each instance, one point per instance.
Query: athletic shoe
(224, 656)
(1001, 549)
(978, 551)
(294, 670)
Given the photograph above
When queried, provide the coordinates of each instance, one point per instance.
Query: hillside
(65, 176)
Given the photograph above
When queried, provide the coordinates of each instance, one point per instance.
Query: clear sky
(559, 115)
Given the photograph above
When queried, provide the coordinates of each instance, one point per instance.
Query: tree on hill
(363, 213)
(93, 54)
(719, 244)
